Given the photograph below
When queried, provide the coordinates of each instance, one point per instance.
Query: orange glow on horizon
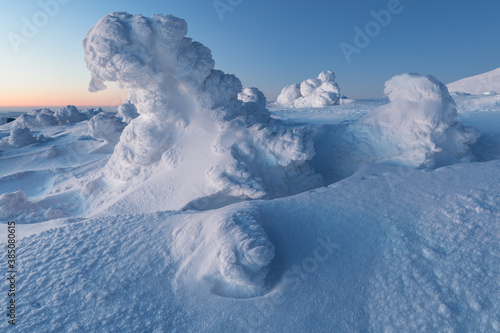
(112, 96)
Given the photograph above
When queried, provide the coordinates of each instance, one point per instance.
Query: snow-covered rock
(486, 83)
(106, 126)
(312, 93)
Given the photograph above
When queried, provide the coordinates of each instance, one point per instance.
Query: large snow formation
(486, 83)
(312, 93)
(192, 121)
(418, 128)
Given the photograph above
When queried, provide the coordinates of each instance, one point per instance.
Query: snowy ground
(384, 249)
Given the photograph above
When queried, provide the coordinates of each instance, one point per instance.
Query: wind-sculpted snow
(46, 117)
(418, 128)
(127, 111)
(370, 253)
(312, 93)
(106, 126)
(19, 208)
(37, 118)
(188, 107)
(20, 137)
(232, 253)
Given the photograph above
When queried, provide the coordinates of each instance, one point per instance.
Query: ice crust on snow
(184, 104)
(418, 128)
(312, 93)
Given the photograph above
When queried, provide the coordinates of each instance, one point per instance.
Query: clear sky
(267, 44)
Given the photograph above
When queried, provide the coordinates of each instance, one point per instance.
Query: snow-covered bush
(417, 128)
(89, 113)
(37, 118)
(127, 111)
(21, 136)
(185, 104)
(70, 115)
(312, 93)
(106, 126)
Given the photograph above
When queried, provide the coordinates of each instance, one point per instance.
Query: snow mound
(18, 207)
(232, 253)
(186, 109)
(418, 128)
(106, 126)
(71, 115)
(486, 83)
(312, 93)
(37, 118)
(21, 137)
(127, 111)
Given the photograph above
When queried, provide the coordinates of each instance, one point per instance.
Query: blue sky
(267, 44)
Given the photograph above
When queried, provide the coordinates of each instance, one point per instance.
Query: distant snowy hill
(479, 84)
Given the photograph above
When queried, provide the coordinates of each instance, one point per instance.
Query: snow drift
(418, 128)
(192, 123)
(486, 83)
(312, 93)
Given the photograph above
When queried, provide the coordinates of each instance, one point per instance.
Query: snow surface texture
(312, 93)
(353, 257)
(418, 128)
(187, 109)
(487, 83)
